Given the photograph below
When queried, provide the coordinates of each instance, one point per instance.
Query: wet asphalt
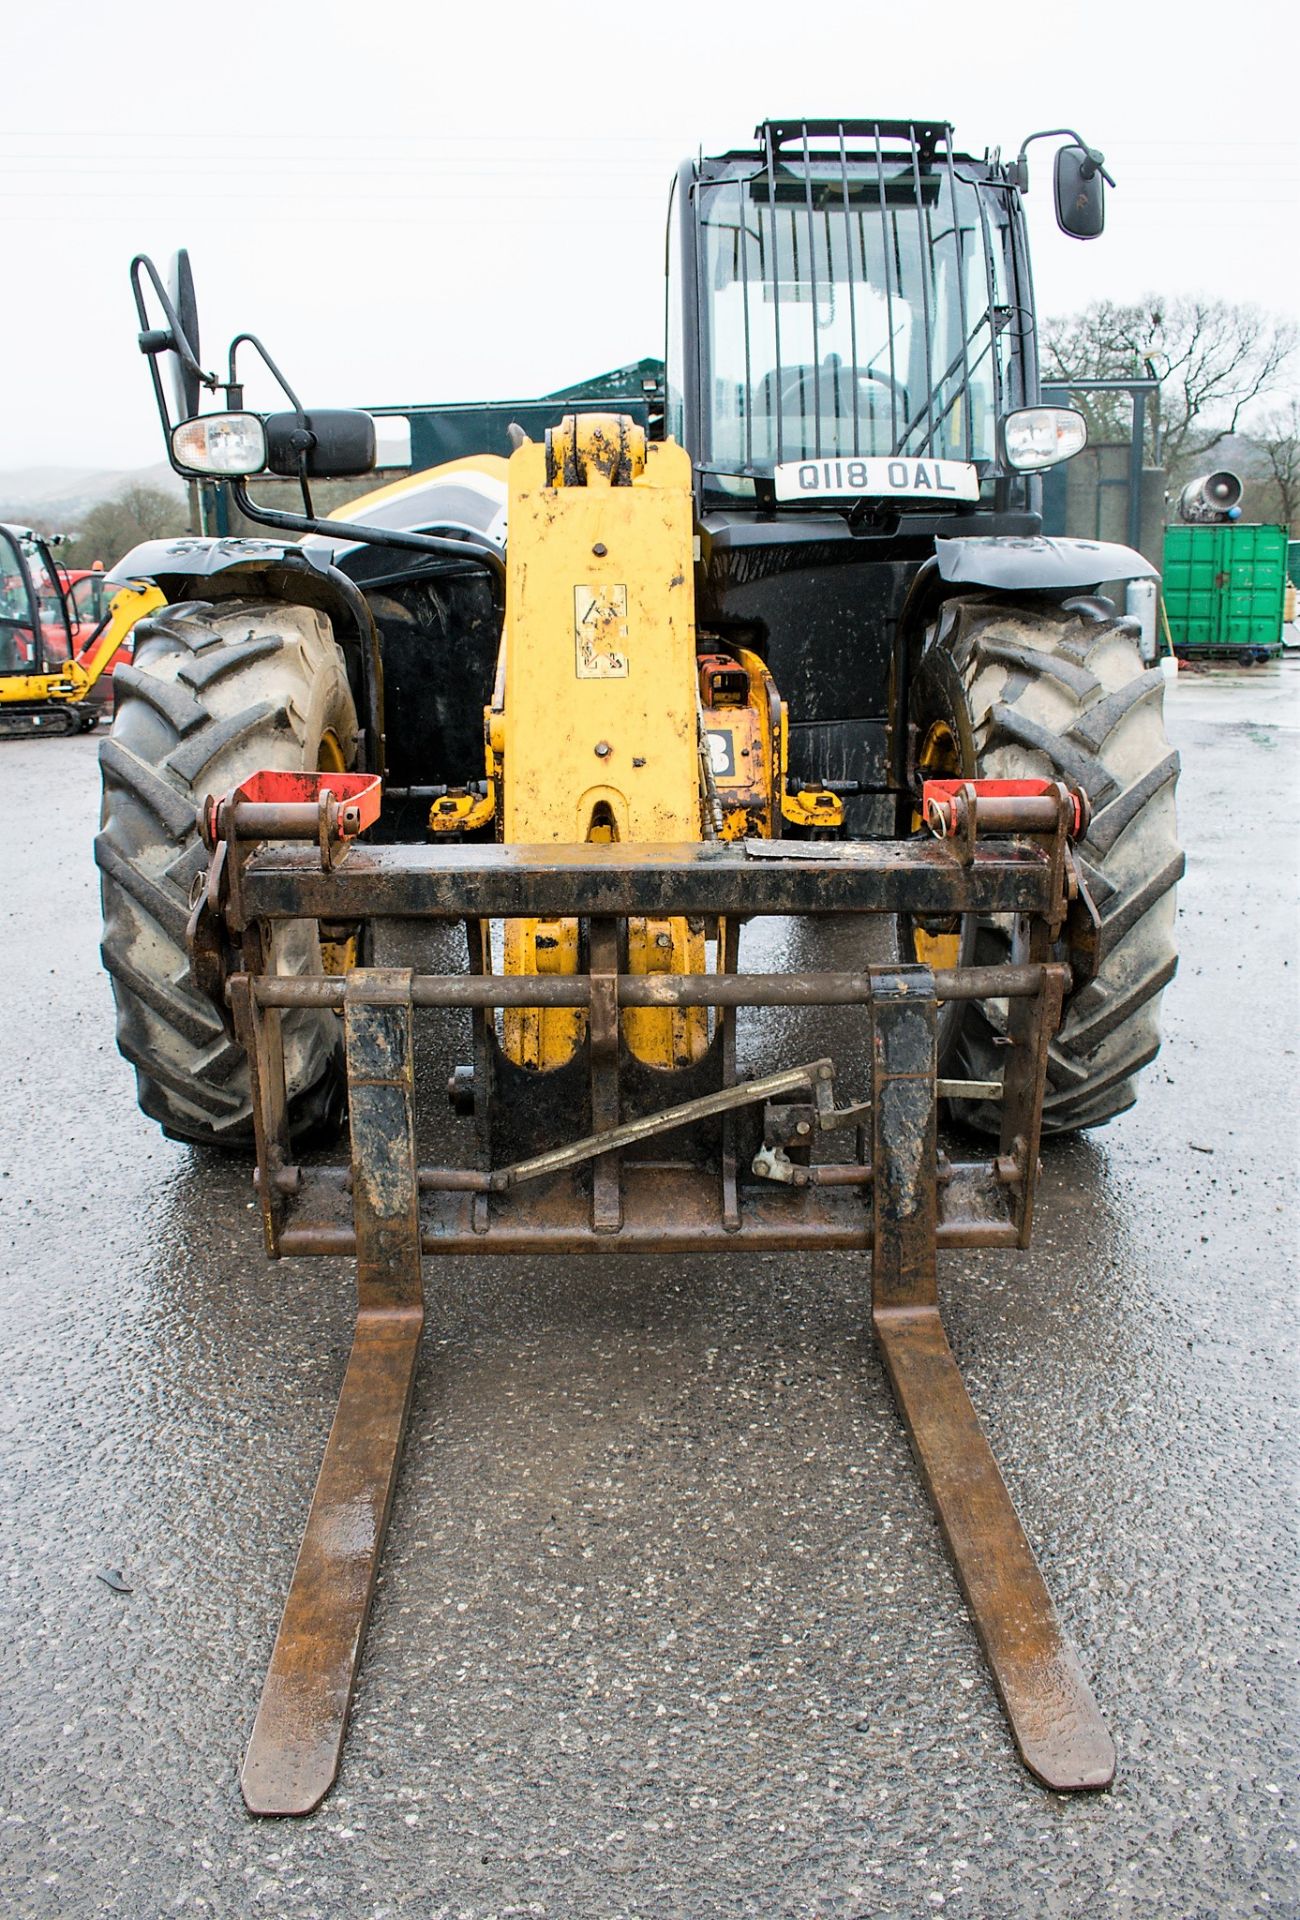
(664, 1626)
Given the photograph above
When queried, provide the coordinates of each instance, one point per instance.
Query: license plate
(902, 479)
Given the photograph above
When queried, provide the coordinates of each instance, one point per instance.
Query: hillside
(67, 493)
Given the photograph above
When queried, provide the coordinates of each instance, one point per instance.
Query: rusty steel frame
(1054, 1719)
(901, 1197)
(715, 878)
(651, 990)
(293, 1755)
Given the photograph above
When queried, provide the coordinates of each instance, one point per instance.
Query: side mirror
(338, 443)
(1080, 194)
(185, 381)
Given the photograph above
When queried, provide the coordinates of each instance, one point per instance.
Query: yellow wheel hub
(337, 956)
(939, 759)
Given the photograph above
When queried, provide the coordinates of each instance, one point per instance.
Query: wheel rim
(329, 755)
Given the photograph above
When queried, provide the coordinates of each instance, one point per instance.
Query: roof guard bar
(925, 134)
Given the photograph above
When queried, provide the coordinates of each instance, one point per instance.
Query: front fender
(1038, 563)
(178, 565)
(1006, 563)
(198, 567)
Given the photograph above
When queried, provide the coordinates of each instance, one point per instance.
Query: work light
(1035, 437)
(222, 443)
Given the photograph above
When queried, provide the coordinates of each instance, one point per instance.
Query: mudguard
(202, 567)
(1038, 563)
(189, 556)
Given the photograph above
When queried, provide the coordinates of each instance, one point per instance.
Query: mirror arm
(152, 339)
(471, 547)
(155, 341)
(1096, 164)
(305, 439)
(251, 340)
(1096, 161)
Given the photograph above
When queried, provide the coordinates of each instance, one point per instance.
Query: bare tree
(113, 527)
(1214, 361)
(1279, 442)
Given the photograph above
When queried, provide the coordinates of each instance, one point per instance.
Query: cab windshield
(33, 628)
(849, 313)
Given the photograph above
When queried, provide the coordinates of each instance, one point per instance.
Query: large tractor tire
(215, 693)
(1035, 690)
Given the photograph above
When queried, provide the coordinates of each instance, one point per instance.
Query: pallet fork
(897, 1195)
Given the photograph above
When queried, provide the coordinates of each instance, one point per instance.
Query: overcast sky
(413, 203)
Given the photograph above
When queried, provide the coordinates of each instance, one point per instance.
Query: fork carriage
(733, 1166)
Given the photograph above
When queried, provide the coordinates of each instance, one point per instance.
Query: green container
(1223, 589)
(1293, 562)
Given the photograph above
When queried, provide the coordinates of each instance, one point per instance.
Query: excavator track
(33, 723)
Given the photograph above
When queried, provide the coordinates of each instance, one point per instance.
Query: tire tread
(214, 691)
(1027, 713)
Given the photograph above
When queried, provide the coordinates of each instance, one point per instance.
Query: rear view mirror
(338, 443)
(1080, 193)
(185, 381)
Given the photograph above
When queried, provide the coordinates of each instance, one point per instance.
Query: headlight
(1038, 437)
(227, 443)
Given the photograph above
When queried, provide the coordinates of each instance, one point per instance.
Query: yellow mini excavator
(48, 672)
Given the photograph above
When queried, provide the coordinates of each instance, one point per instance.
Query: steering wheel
(896, 388)
(826, 378)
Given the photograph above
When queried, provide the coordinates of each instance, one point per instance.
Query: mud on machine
(791, 646)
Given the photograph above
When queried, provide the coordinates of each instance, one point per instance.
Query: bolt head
(603, 749)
